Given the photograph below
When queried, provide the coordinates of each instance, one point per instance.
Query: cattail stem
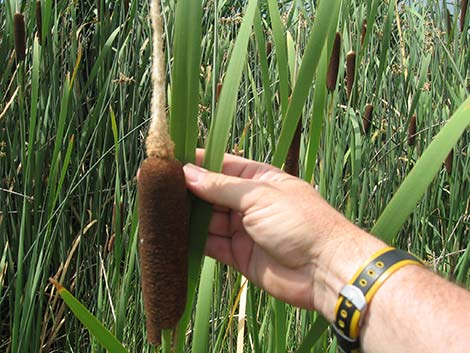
(20, 36)
(332, 76)
(350, 72)
(158, 143)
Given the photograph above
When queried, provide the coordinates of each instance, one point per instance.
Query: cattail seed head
(20, 36)
(292, 162)
(350, 71)
(412, 131)
(163, 243)
(367, 119)
(126, 6)
(463, 14)
(332, 76)
(39, 21)
(363, 31)
(449, 162)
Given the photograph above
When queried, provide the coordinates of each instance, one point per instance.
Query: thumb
(219, 189)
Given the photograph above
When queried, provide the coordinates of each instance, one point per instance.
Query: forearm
(414, 310)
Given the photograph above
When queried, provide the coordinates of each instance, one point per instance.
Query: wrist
(347, 248)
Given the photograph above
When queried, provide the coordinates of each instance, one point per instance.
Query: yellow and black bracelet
(357, 294)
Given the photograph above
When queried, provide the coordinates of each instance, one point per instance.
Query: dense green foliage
(73, 118)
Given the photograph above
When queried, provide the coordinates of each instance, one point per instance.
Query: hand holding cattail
(163, 239)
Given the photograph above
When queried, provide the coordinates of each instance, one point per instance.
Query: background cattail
(333, 68)
(412, 131)
(463, 14)
(20, 36)
(367, 119)
(269, 49)
(39, 21)
(292, 162)
(449, 21)
(350, 71)
(449, 161)
(217, 91)
(363, 31)
(163, 238)
(126, 6)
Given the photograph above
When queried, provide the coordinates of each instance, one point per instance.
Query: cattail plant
(463, 14)
(292, 161)
(367, 119)
(332, 76)
(20, 36)
(39, 21)
(449, 21)
(412, 131)
(163, 239)
(363, 31)
(448, 163)
(350, 71)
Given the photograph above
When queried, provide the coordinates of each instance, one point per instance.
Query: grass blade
(106, 339)
(323, 21)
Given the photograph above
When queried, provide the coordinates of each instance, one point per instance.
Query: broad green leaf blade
(316, 122)
(185, 78)
(326, 12)
(216, 145)
(318, 327)
(104, 337)
(220, 127)
(281, 53)
(203, 307)
(416, 183)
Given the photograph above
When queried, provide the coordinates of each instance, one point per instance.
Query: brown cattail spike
(367, 119)
(332, 76)
(292, 162)
(363, 31)
(412, 131)
(449, 162)
(20, 36)
(163, 243)
(463, 14)
(350, 72)
(39, 21)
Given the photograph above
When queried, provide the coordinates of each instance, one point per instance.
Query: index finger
(238, 166)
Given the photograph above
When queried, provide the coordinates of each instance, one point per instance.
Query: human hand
(272, 227)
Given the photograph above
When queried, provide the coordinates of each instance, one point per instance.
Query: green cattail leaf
(268, 95)
(96, 328)
(185, 78)
(416, 183)
(280, 44)
(326, 12)
(316, 122)
(221, 125)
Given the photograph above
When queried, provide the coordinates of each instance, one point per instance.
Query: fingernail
(193, 173)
